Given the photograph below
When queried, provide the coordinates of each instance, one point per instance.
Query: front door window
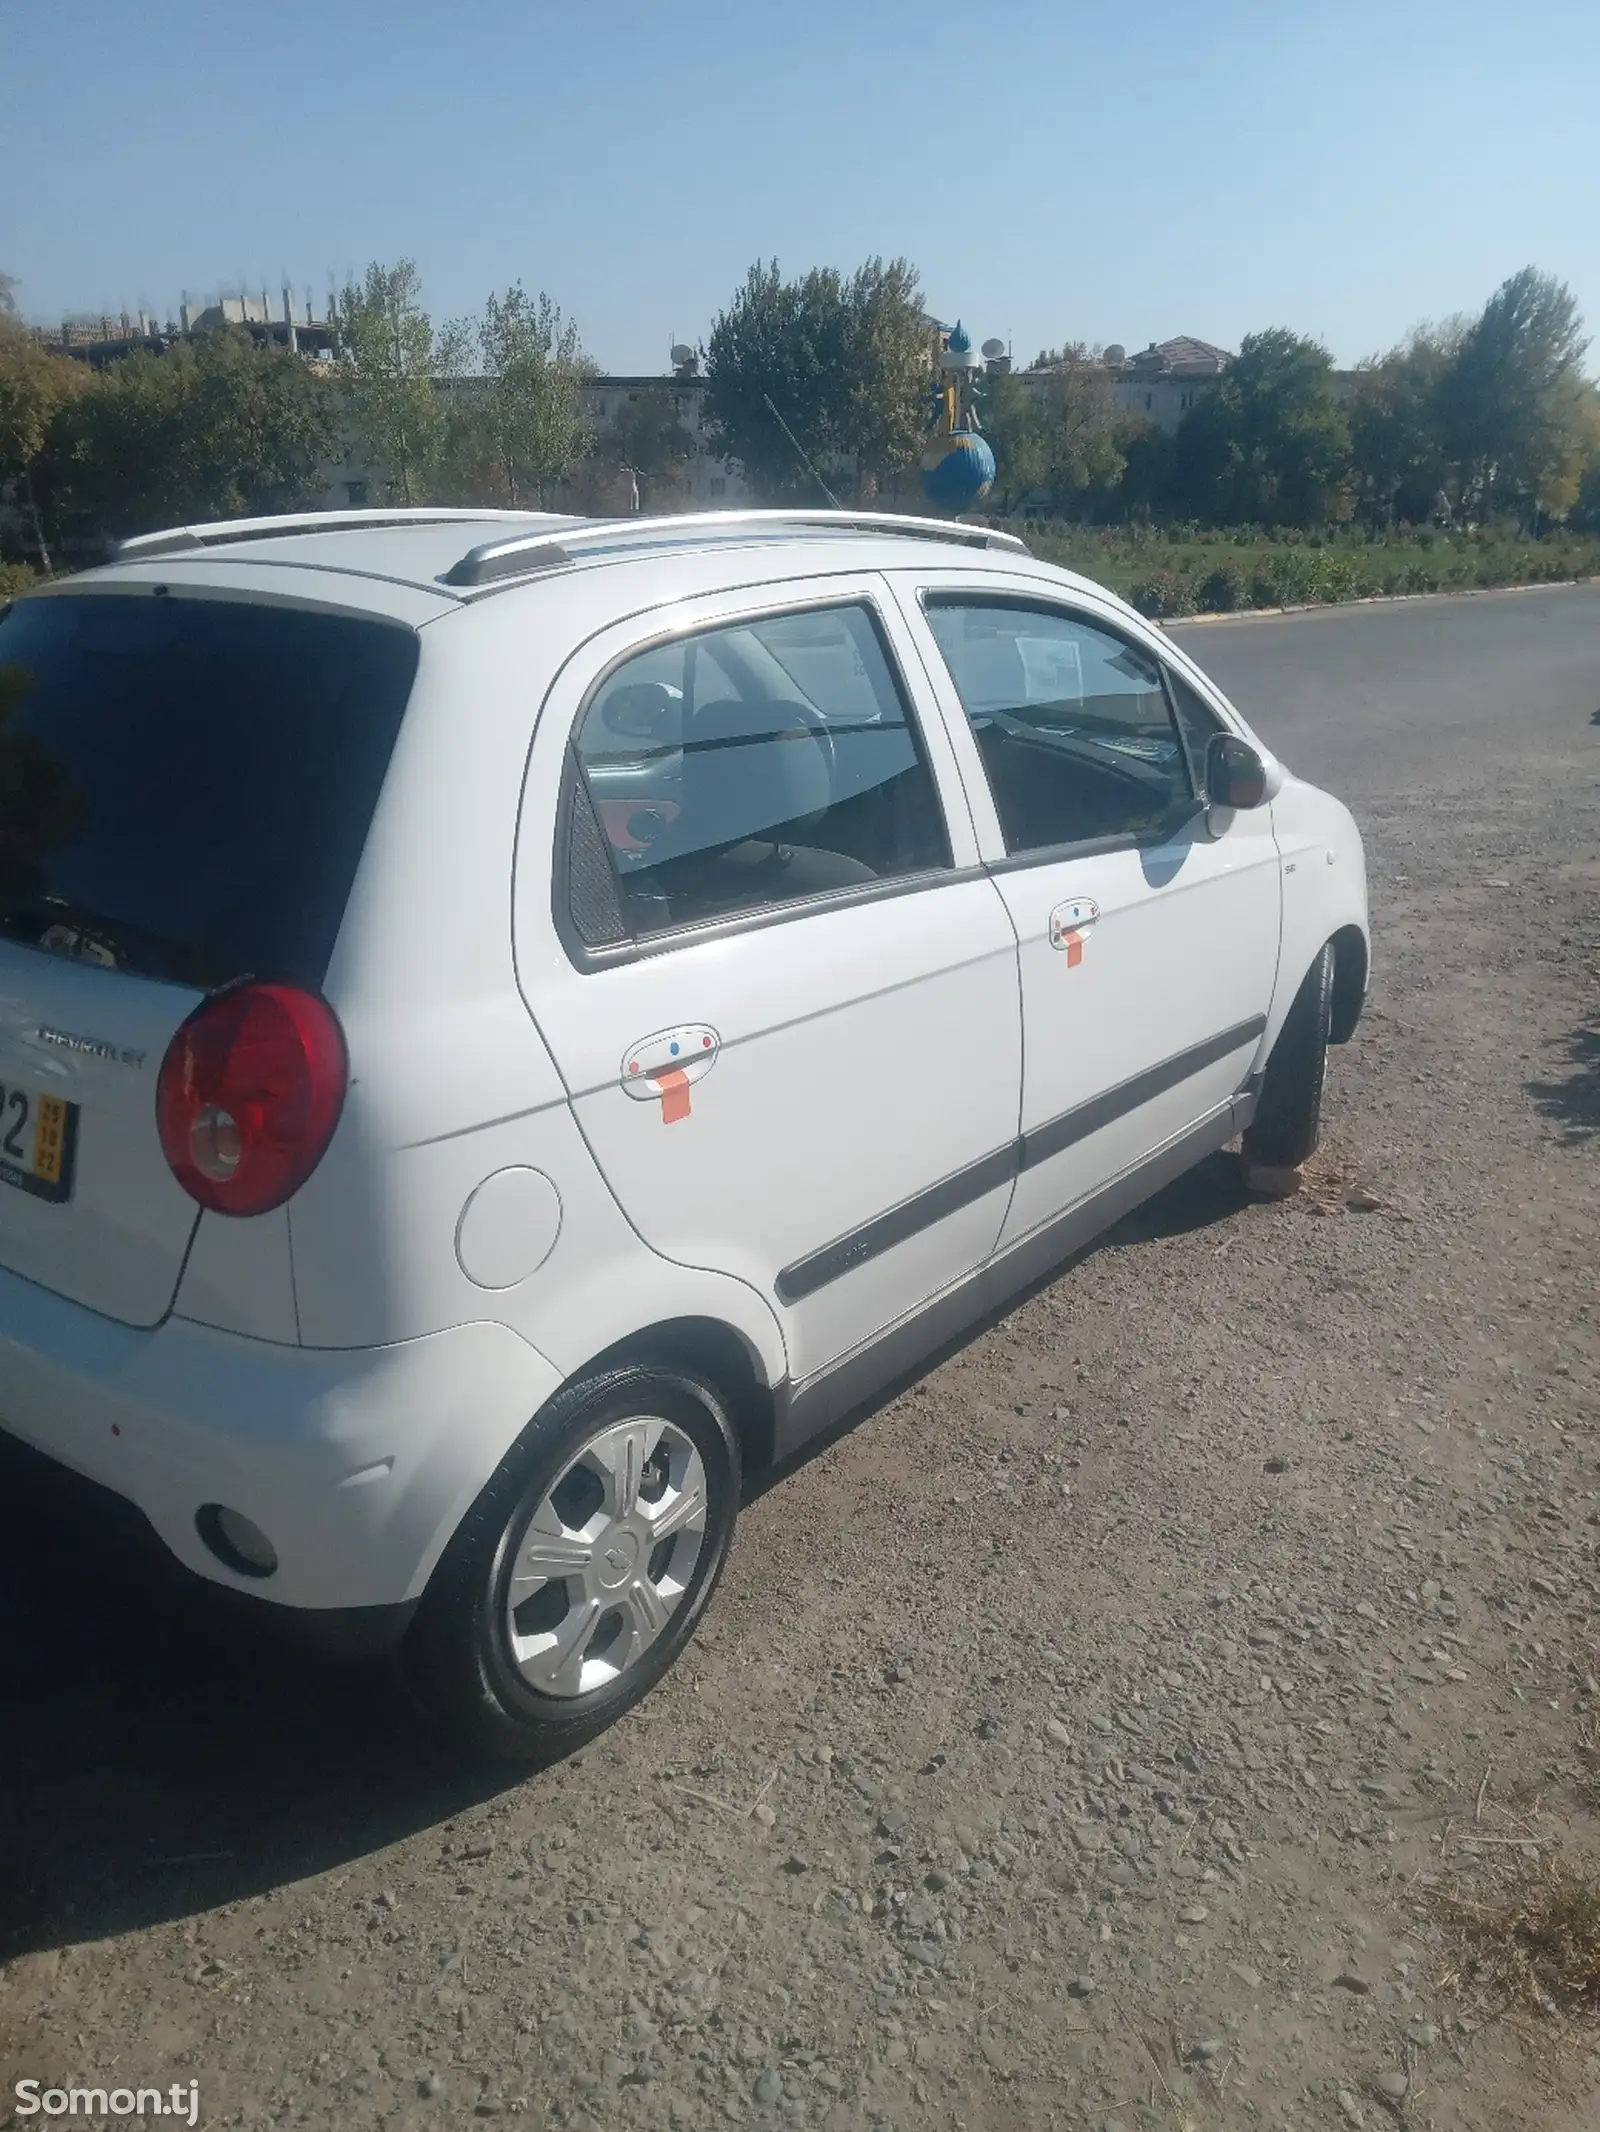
(1071, 721)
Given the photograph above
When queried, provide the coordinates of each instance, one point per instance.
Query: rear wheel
(1288, 1119)
(580, 1572)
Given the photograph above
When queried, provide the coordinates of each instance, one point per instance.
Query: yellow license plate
(38, 1139)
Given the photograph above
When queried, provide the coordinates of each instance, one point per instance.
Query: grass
(1536, 1944)
(1181, 571)
(1531, 1939)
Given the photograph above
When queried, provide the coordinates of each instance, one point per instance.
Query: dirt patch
(1333, 1186)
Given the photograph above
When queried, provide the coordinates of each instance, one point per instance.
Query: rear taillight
(249, 1094)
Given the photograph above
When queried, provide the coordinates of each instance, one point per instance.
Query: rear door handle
(667, 1064)
(1070, 923)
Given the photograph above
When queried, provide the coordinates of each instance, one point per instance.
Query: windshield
(186, 784)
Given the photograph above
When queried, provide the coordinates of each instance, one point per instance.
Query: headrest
(750, 769)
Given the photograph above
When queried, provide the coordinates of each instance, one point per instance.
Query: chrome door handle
(1069, 927)
(667, 1064)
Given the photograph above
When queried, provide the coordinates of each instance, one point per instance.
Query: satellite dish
(682, 353)
(993, 348)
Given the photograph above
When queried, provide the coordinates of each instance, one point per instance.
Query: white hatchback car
(507, 1022)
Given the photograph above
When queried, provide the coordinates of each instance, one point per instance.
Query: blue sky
(1076, 170)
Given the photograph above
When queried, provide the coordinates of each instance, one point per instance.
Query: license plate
(38, 1136)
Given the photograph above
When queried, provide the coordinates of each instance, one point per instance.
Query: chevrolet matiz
(509, 1022)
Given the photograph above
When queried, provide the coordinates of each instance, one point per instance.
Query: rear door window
(745, 767)
(186, 785)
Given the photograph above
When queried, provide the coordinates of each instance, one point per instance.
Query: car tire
(1288, 1119)
(521, 1663)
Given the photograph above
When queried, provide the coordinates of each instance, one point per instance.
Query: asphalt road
(1080, 1741)
(1374, 701)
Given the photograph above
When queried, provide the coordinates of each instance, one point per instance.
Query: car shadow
(1574, 1101)
(160, 1755)
(1212, 1191)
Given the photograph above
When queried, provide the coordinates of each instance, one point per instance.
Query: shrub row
(1303, 577)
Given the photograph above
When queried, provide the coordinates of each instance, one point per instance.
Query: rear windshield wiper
(79, 934)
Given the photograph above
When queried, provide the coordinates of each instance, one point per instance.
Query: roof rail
(176, 538)
(520, 555)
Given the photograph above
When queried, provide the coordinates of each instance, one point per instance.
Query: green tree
(1512, 406)
(1084, 434)
(1267, 444)
(34, 386)
(1585, 509)
(1401, 458)
(888, 347)
(516, 425)
(1057, 433)
(118, 446)
(843, 361)
(215, 428)
(1014, 422)
(1148, 483)
(647, 440)
(387, 351)
(1571, 487)
(258, 424)
(777, 351)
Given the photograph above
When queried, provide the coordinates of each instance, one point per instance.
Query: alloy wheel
(607, 1557)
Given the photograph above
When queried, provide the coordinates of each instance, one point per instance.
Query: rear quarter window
(186, 785)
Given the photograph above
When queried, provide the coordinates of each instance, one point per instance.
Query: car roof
(452, 557)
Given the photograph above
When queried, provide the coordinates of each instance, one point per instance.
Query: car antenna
(800, 449)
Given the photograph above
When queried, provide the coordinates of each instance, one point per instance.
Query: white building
(1161, 383)
(713, 484)
(1164, 380)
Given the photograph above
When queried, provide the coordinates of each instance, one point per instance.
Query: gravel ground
(1081, 1741)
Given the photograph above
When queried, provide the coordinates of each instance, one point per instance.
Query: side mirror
(641, 710)
(1235, 774)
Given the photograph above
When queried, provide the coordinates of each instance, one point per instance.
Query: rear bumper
(357, 1464)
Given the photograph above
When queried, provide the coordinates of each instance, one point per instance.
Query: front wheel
(1288, 1119)
(580, 1572)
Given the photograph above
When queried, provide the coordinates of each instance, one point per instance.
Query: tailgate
(186, 786)
(88, 1206)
